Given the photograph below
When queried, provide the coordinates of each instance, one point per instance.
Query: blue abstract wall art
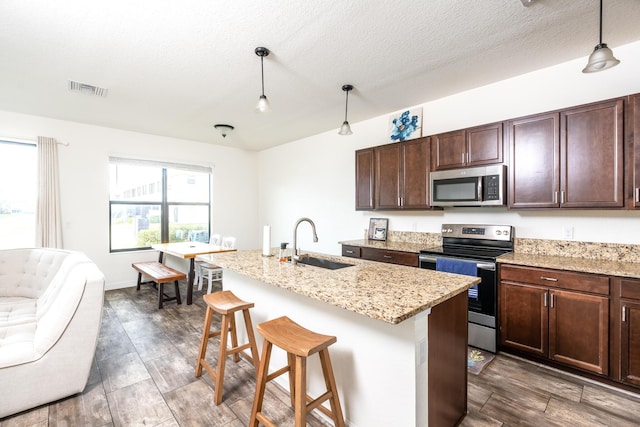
(407, 125)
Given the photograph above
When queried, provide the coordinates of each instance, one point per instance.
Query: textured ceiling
(176, 68)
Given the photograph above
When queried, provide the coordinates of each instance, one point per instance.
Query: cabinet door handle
(548, 279)
(387, 257)
(551, 300)
(350, 252)
(546, 295)
(637, 194)
(562, 197)
(463, 158)
(624, 313)
(555, 197)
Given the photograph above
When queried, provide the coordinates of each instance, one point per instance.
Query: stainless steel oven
(479, 244)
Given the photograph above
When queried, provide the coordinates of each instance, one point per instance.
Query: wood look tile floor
(144, 375)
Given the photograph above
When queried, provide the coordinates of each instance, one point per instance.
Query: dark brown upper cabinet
(401, 175)
(591, 153)
(569, 159)
(480, 145)
(534, 170)
(633, 127)
(364, 179)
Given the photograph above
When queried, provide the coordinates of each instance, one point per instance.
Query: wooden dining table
(188, 250)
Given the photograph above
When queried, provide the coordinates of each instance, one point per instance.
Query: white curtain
(48, 222)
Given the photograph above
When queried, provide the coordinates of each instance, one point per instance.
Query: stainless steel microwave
(479, 186)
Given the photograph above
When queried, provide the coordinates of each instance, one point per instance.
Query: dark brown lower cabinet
(546, 314)
(630, 331)
(579, 330)
(383, 255)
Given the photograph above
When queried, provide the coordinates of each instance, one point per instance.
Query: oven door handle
(482, 265)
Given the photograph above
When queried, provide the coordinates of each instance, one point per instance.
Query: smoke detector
(87, 89)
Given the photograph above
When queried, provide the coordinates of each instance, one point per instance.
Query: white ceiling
(175, 68)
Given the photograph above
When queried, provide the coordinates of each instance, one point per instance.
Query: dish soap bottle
(283, 252)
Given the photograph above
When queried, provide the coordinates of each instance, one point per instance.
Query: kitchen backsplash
(567, 248)
(428, 239)
(590, 250)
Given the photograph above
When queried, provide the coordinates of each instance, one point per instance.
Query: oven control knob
(498, 232)
(505, 232)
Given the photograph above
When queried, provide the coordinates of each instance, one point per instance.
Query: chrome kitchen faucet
(294, 254)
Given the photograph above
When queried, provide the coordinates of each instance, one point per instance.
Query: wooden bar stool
(226, 304)
(299, 343)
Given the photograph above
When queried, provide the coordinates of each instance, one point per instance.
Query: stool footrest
(208, 368)
(317, 402)
(277, 373)
(264, 420)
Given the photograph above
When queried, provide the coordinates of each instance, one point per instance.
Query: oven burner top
(484, 242)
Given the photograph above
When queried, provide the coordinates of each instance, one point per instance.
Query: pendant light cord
(346, 106)
(262, 71)
(600, 22)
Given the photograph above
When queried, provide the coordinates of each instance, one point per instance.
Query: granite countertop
(388, 292)
(581, 265)
(387, 245)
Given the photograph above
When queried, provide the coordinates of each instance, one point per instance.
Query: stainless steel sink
(322, 263)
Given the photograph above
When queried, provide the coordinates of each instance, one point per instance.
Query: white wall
(315, 176)
(84, 184)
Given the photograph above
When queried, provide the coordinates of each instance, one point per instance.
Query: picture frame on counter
(378, 228)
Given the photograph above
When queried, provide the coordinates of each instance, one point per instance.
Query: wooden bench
(159, 274)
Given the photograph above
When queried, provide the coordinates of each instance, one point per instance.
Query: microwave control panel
(491, 187)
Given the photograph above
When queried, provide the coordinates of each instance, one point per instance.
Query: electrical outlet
(567, 233)
(414, 226)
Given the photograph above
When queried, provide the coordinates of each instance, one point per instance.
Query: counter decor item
(266, 240)
(406, 125)
(378, 228)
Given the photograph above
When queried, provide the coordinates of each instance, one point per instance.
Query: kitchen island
(400, 356)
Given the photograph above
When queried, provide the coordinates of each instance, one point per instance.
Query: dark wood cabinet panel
(534, 172)
(480, 145)
(415, 174)
(364, 179)
(552, 320)
(351, 251)
(626, 324)
(633, 120)
(388, 164)
(381, 255)
(393, 257)
(630, 342)
(524, 322)
(401, 175)
(484, 144)
(448, 150)
(591, 153)
(584, 282)
(570, 159)
(579, 330)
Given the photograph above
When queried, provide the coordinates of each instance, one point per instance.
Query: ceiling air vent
(87, 89)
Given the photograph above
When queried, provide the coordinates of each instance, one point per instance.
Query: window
(18, 194)
(153, 202)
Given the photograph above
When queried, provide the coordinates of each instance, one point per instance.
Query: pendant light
(263, 103)
(345, 129)
(223, 129)
(602, 57)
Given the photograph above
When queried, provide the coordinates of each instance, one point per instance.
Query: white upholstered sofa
(50, 314)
